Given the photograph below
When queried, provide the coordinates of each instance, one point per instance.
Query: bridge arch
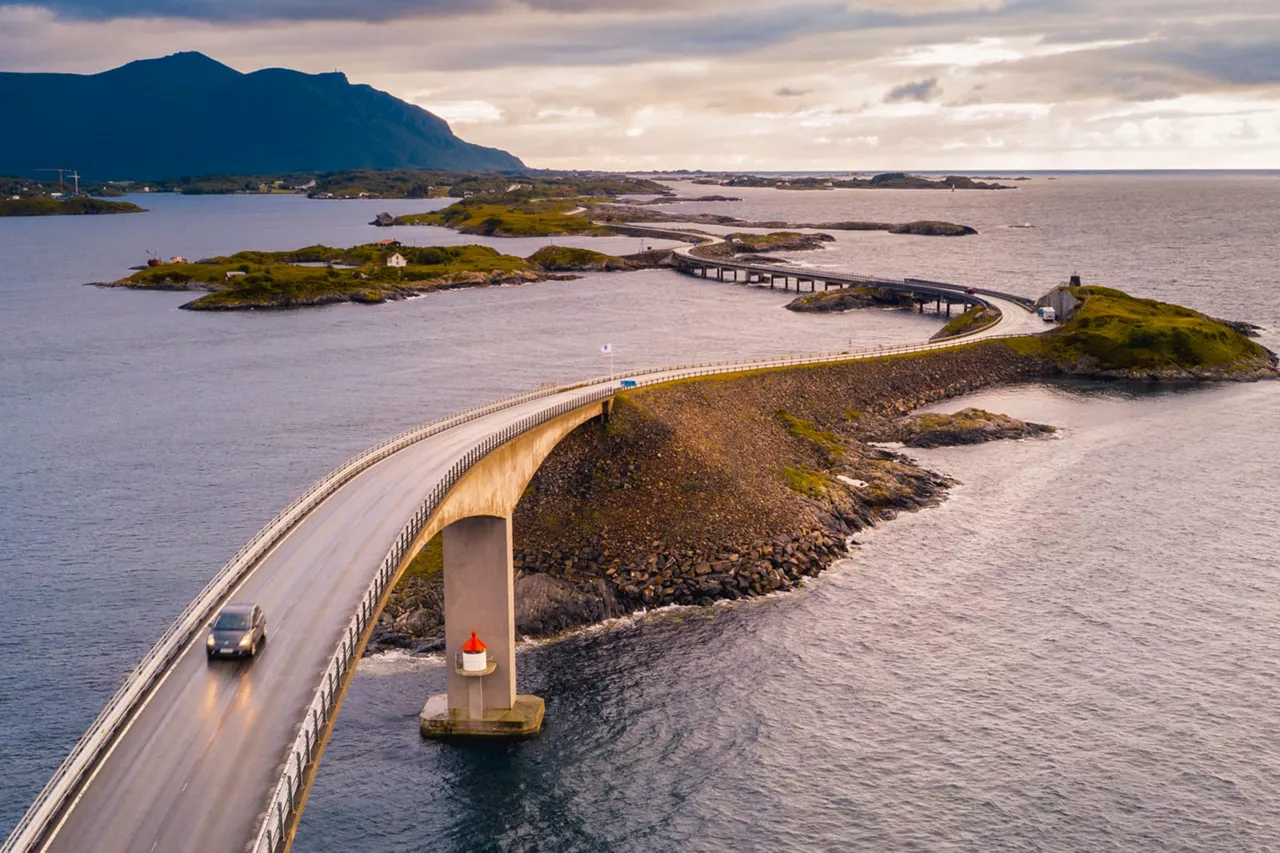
(479, 584)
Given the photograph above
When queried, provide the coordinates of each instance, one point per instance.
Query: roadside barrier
(47, 808)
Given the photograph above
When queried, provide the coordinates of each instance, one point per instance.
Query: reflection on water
(1076, 652)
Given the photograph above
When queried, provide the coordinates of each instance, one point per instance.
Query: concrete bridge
(218, 759)
(922, 292)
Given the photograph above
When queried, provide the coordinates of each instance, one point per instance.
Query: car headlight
(244, 641)
(209, 642)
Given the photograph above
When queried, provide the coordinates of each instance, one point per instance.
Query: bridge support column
(479, 596)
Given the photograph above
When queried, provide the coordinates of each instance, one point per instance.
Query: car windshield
(232, 622)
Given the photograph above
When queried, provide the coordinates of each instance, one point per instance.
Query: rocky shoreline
(849, 299)
(612, 214)
(967, 426)
(726, 488)
(738, 244)
(384, 292)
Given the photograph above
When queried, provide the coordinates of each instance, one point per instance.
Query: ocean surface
(1077, 651)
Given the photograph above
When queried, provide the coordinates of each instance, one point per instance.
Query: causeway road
(197, 764)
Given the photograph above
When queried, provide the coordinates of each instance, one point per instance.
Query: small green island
(370, 274)
(745, 243)
(580, 206)
(495, 217)
(613, 213)
(77, 206)
(884, 181)
(1110, 334)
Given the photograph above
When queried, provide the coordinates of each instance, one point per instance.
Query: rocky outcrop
(377, 292)
(848, 299)
(778, 241)
(569, 259)
(933, 228)
(967, 426)
(724, 488)
(617, 214)
(1249, 330)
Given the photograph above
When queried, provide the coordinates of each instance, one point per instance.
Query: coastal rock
(967, 426)
(931, 228)
(778, 241)
(848, 299)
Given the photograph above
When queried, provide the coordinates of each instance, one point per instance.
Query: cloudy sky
(761, 84)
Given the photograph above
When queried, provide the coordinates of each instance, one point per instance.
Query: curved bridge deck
(200, 757)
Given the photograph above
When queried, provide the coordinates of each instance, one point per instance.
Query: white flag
(607, 349)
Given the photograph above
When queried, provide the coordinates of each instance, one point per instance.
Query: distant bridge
(219, 759)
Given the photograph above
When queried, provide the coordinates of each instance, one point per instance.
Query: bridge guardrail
(39, 818)
(302, 756)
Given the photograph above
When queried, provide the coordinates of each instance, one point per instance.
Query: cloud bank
(635, 84)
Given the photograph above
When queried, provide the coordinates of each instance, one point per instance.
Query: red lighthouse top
(473, 645)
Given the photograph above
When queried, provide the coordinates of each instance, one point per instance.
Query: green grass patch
(973, 319)
(79, 206)
(502, 218)
(568, 259)
(281, 279)
(827, 443)
(1115, 331)
(805, 481)
(429, 563)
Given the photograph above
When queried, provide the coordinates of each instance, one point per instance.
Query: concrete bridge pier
(479, 596)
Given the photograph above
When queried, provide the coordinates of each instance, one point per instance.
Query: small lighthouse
(474, 657)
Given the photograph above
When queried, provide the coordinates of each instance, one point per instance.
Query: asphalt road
(197, 765)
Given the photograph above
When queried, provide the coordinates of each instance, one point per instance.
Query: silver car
(237, 632)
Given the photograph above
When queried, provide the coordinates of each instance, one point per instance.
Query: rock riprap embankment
(721, 488)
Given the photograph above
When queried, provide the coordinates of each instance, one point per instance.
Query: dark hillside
(187, 114)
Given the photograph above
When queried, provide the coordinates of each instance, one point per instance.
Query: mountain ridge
(188, 114)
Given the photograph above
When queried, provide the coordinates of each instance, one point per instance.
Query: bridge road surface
(195, 768)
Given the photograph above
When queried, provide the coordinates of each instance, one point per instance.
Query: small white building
(397, 260)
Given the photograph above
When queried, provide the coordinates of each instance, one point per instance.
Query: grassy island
(745, 243)
(569, 259)
(973, 319)
(849, 299)
(623, 213)
(487, 217)
(885, 181)
(321, 275)
(79, 206)
(1114, 334)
